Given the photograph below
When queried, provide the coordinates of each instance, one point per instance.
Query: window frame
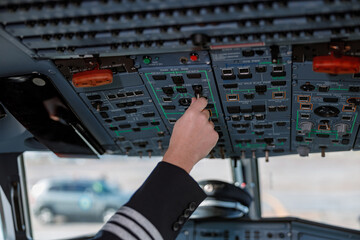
(2, 220)
(6, 217)
(25, 197)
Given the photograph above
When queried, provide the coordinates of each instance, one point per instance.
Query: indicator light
(336, 65)
(194, 57)
(92, 78)
(146, 59)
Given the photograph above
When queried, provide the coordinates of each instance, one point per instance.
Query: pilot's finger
(193, 100)
(206, 112)
(212, 123)
(198, 104)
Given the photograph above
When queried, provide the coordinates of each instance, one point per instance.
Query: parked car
(80, 199)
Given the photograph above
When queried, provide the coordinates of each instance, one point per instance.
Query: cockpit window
(73, 197)
(313, 188)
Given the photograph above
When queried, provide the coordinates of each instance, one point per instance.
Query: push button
(187, 213)
(104, 115)
(192, 206)
(176, 226)
(182, 220)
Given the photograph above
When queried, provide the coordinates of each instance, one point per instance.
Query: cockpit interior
(90, 91)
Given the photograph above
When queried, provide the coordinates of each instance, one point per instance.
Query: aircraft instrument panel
(281, 81)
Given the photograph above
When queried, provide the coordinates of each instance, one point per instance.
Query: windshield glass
(313, 188)
(73, 197)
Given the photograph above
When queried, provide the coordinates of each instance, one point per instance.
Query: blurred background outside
(86, 192)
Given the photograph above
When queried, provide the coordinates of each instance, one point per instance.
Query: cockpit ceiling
(253, 60)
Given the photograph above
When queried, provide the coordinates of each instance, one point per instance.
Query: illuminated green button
(147, 60)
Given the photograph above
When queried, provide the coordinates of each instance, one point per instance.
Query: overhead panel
(255, 90)
(174, 79)
(252, 60)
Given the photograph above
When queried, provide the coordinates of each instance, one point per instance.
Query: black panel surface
(278, 229)
(26, 96)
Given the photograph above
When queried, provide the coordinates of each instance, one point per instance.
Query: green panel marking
(352, 127)
(157, 98)
(175, 113)
(123, 131)
(242, 90)
(155, 93)
(339, 89)
(248, 145)
(212, 96)
(130, 130)
(252, 90)
(176, 96)
(278, 88)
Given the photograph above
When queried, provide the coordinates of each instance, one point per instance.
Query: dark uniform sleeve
(158, 209)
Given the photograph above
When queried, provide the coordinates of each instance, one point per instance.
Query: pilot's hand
(193, 136)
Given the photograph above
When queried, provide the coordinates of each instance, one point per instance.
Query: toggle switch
(322, 148)
(266, 155)
(149, 153)
(127, 150)
(197, 90)
(160, 145)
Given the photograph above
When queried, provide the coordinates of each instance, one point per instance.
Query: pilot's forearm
(158, 209)
(162, 205)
